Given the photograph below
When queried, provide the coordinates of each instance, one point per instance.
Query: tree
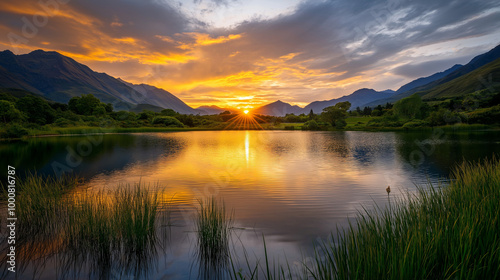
(168, 112)
(99, 111)
(168, 121)
(9, 112)
(37, 110)
(109, 107)
(408, 107)
(311, 115)
(367, 111)
(311, 125)
(336, 113)
(85, 104)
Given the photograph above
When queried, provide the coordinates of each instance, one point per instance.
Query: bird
(388, 189)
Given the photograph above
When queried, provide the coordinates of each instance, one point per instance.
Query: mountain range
(476, 63)
(59, 78)
(457, 79)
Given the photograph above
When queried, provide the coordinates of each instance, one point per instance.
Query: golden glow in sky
(244, 54)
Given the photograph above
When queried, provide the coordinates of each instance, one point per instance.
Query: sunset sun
(246, 112)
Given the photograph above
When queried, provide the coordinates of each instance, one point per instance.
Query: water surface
(293, 187)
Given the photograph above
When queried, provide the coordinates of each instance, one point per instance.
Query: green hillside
(484, 78)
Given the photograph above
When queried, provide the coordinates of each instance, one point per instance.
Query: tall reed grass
(439, 233)
(213, 226)
(102, 233)
(449, 232)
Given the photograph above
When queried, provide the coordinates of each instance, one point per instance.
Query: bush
(168, 121)
(415, 123)
(14, 131)
(311, 125)
(340, 124)
(445, 117)
(485, 116)
(384, 122)
(62, 122)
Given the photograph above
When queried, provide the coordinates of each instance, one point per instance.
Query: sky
(247, 53)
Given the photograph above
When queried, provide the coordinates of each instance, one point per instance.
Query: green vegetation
(213, 225)
(447, 232)
(443, 233)
(24, 114)
(485, 78)
(117, 229)
(336, 115)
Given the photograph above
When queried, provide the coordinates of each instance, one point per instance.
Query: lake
(292, 187)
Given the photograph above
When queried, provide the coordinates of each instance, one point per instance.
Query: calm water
(292, 187)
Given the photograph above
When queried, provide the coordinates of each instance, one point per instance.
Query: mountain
(357, 99)
(423, 81)
(278, 108)
(161, 98)
(486, 78)
(59, 78)
(212, 110)
(474, 64)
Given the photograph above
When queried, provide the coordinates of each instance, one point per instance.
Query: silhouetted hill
(486, 77)
(423, 81)
(161, 98)
(212, 110)
(357, 98)
(59, 78)
(278, 108)
(474, 64)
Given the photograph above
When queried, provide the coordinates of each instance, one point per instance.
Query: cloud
(321, 50)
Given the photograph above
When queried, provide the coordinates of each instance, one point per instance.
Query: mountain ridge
(59, 78)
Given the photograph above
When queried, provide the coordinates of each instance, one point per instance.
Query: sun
(246, 112)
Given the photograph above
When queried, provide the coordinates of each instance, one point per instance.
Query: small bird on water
(388, 189)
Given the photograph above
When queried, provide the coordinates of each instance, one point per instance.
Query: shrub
(415, 123)
(311, 125)
(62, 122)
(14, 131)
(340, 124)
(168, 121)
(485, 116)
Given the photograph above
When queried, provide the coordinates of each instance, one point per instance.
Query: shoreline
(76, 131)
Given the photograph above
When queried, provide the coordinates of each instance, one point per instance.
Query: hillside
(426, 80)
(161, 98)
(474, 64)
(59, 78)
(278, 108)
(484, 78)
(212, 110)
(357, 98)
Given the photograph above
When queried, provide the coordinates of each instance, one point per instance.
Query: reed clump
(116, 230)
(213, 227)
(439, 233)
(445, 232)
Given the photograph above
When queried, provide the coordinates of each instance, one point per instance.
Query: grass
(438, 233)
(90, 129)
(118, 230)
(213, 226)
(357, 122)
(441, 233)
(446, 232)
